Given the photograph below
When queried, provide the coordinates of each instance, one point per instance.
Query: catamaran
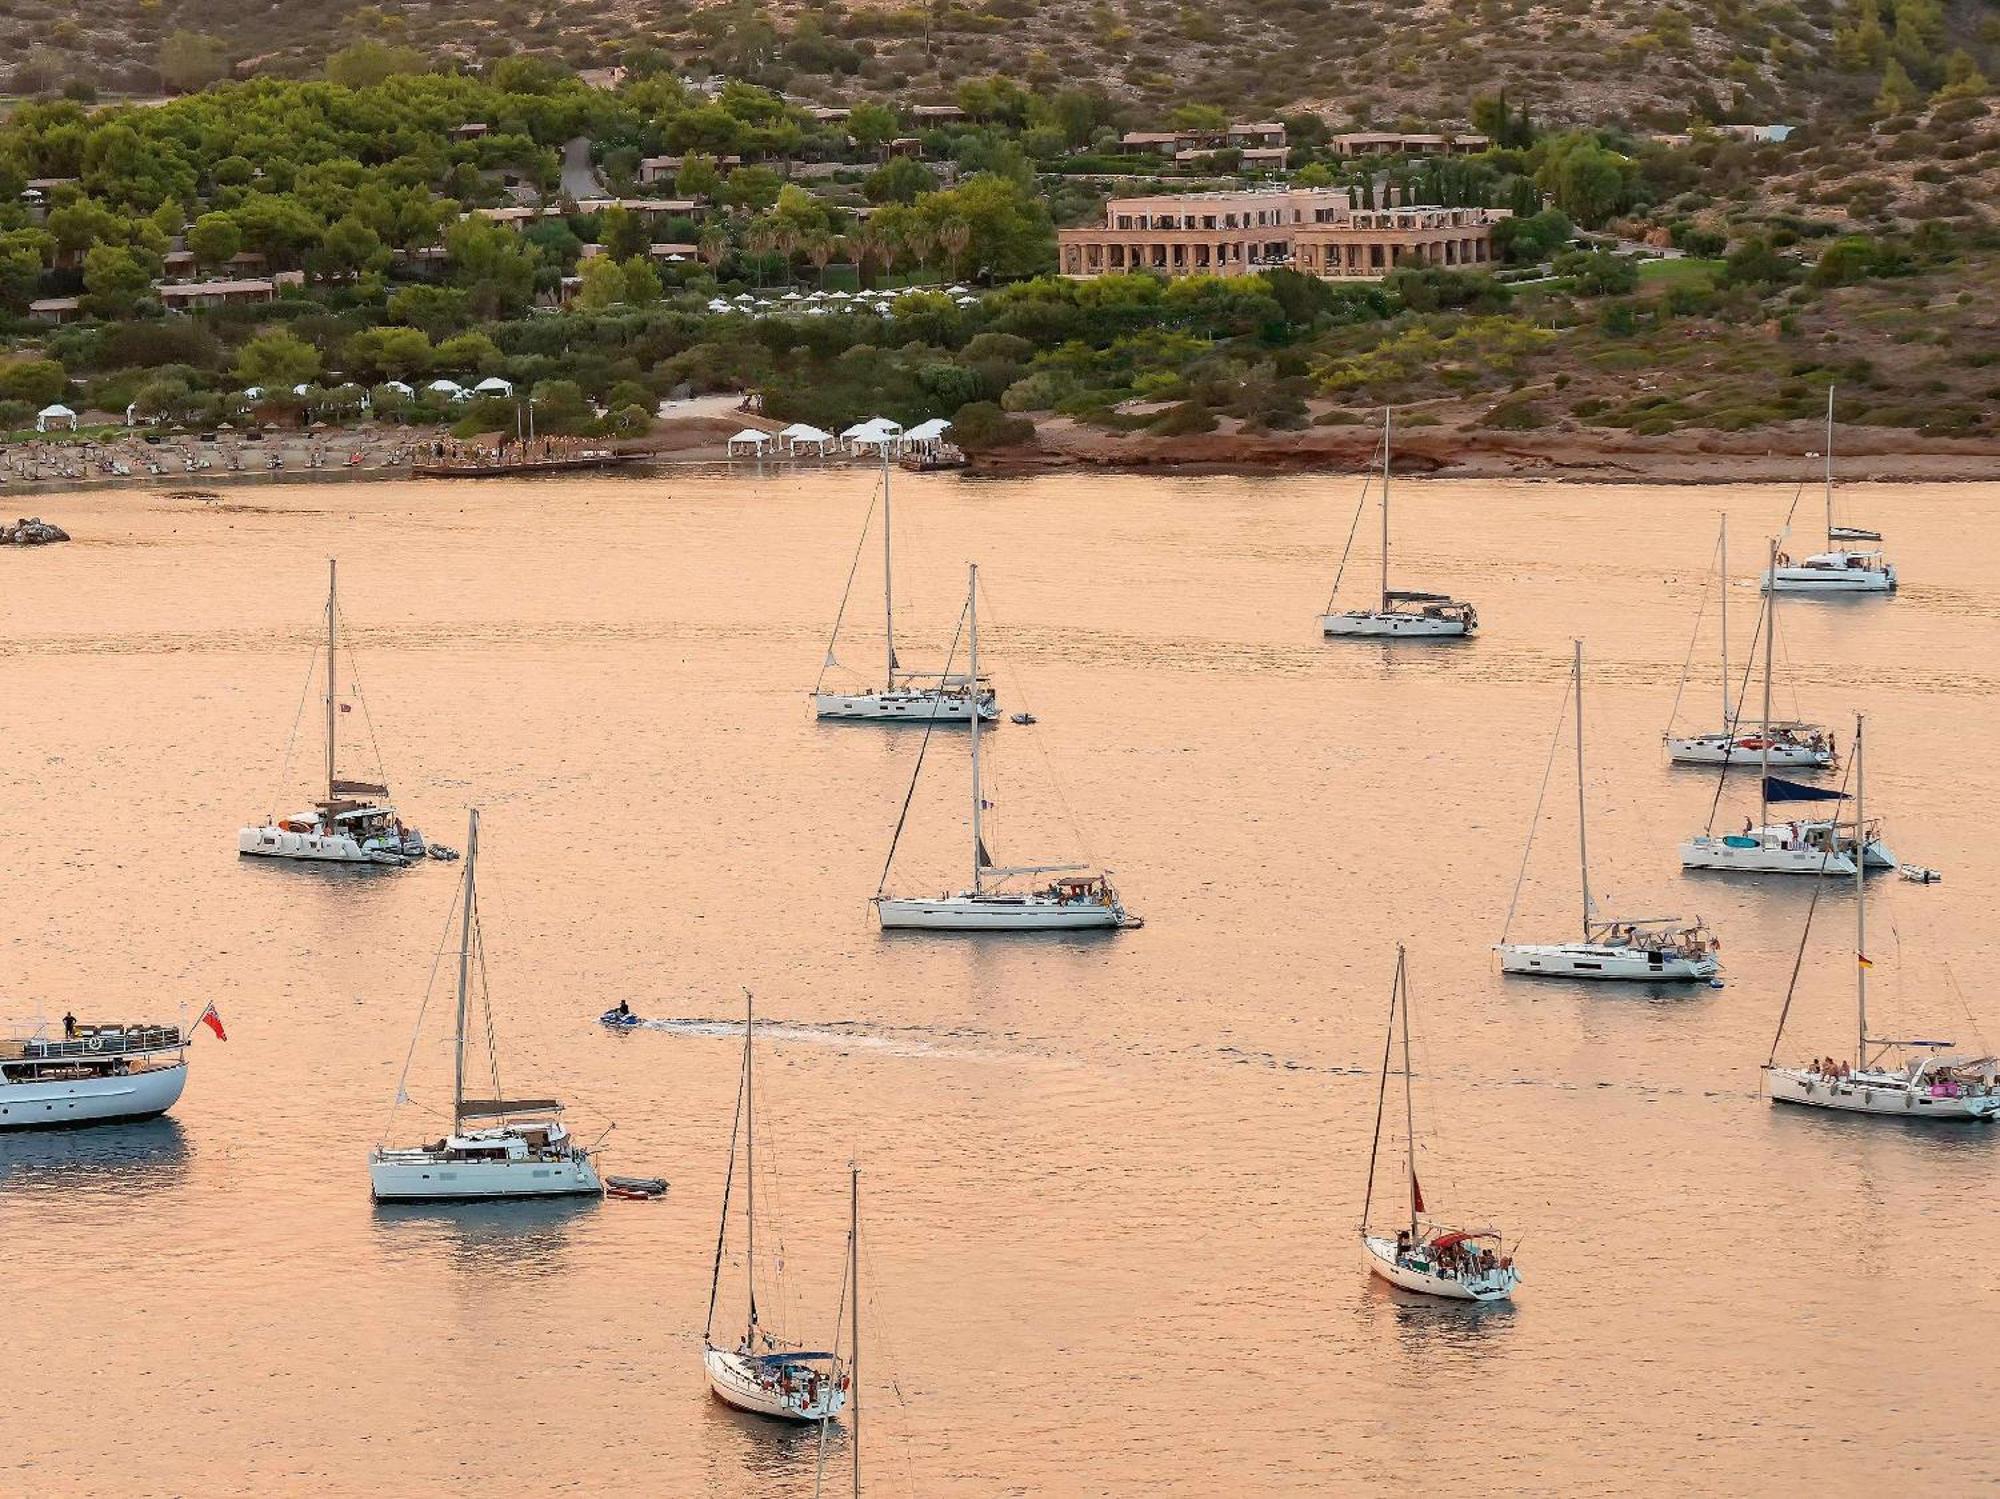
(1808, 845)
(905, 696)
(1459, 1264)
(1788, 745)
(1402, 614)
(1075, 897)
(95, 1073)
(1652, 949)
(498, 1147)
(1929, 1084)
(763, 1373)
(1850, 564)
(355, 822)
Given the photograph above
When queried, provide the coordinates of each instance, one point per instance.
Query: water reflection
(1430, 1325)
(115, 1160)
(741, 1444)
(519, 1238)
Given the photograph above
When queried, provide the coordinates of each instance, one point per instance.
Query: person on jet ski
(624, 1010)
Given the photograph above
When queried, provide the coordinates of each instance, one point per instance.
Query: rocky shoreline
(31, 532)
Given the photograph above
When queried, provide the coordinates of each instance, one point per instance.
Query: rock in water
(34, 532)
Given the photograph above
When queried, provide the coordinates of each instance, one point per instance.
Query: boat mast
(1829, 465)
(1582, 836)
(978, 835)
(1728, 712)
(750, 1158)
(466, 918)
(1386, 418)
(1860, 906)
(1409, 1102)
(854, 1278)
(888, 577)
(1770, 649)
(332, 565)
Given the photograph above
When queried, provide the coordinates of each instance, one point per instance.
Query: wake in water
(844, 1034)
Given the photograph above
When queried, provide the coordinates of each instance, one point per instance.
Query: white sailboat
(1853, 562)
(1788, 745)
(105, 1073)
(1928, 1084)
(355, 822)
(1458, 1264)
(1401, 614)
(905, 696)
(1807, 845)
(854, 1341)
(1074, 897)
(498, 1147)
(763, 1373)
(1652, 949)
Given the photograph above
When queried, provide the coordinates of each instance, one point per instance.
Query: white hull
(1881, 1094)
(1380, 1257)
(416, 1176)
(1601, 961)
(1721, 749)
(1831, 579)
(1363, 624)
(964, 913)
(314, 848)
(741, 1382)
(1768, 854)
(901, 706)
(53, 1103)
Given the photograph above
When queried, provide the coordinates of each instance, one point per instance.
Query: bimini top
(1452, 1240)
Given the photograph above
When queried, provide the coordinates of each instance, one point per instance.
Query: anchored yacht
(1401, 614)
(1853, 562)
(94, 1074)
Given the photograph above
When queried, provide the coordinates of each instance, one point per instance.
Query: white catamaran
(1653, 949)
(1787, 745)
(1075, 897)
(1853, 561)
(763, 1373)
(905, 696)
(1807, 845)
(497, 1147)
(1402, 614)
(1928, 1084)
(1459, 1264)
(355, 822)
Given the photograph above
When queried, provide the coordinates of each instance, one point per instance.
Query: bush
(981, 426)
(1184, 420)
(1515, 415)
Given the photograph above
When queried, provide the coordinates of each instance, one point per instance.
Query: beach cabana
(493, 385)
(451, 390)
(399, 387)
(801, 435)
(55, 418)
(751, 441)
(926, 436)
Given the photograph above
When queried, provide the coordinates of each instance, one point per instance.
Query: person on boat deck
(1402, 1242)
(69, 1026)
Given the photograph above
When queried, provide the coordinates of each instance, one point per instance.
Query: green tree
(190, 61)
(623, 233)
(751, 187)
(642, 282)
(393, 353)
(367, 63)
(473, 353)
(114, 278)
(1899, 93)
(277, 361)
(901, 179)
(871, 126)
(698, 178)
(494, 265)
(37, 381)
(350, 247)
(601, 284)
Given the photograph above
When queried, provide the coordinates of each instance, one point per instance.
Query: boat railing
(103, 1041)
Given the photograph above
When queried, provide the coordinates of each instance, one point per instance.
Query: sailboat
(763, 1374)
(1789, 745)
(1809, 845)
(1850, 564)
(854, 1340)
(1656, 949)
(498, 1147)
(1075, 897)
(1459, 1264)
(1930, 1084)
(905, 696)
(355, 822)
(1403, 614)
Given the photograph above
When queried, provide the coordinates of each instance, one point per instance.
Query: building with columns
(1316, 231)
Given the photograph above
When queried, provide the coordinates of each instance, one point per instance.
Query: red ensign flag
(1416, 1193)
(213, 1021)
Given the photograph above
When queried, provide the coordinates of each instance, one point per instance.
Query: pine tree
(1899, 94)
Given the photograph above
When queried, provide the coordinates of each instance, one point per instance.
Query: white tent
(252, 392)
(302, 390)
(450, 388)
(399, 386)
(750, 438)
(493, 385)
(49, 418)
(927, 434)
(876, 432)
(803, 434)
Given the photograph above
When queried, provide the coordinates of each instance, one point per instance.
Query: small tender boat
(1401, 613)
(1918, 875)
(635, 1188)
(1021, 718)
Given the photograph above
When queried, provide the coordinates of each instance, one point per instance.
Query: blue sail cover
(1778, 789)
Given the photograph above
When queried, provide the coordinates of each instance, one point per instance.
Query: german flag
(1864, 960)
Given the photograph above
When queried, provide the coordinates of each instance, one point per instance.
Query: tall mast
(1770, 650)
(1582, 836)
(1409, 1103)
(1829, 465)
(750, 1156)
(978, 835)
(332, 565)
(467, 917)
(1860, 906)
(1728, 714)
(888, 575)
(1386, 418)
(854, 1278)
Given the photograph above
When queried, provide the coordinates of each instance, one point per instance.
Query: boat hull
(1769, 854)
(313, 848)
(429, 1180)
(737, 1381)
(963, 914)
(1830, 580)
(1380, 1256)
(1603, 963)
(63, 1103)
(1890, 1098)
(1721, 749)
(903, 707)
(1363, 625)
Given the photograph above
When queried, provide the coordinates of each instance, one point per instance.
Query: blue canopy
(1778, 789)
(779, 1360)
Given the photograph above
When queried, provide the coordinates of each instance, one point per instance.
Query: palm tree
(954, 235)
(762, 240)
(711, 245)
(918, 240)
(866, 244)
(785, 239)
(820, 248)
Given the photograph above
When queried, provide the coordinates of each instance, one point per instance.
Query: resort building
(1317, 231)
(1397, 143)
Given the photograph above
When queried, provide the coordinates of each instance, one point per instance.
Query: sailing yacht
(497, 1147)
(1458, 1264)
(1853, 562)
(1790, 746)
(1655, 949)
(94, 1073)
(355, 822)
(764, 1374)
(1074, 897)
(905, 696)
(854, 1340)
(1929, 1084)
(1402, 615)
(1809, 845)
